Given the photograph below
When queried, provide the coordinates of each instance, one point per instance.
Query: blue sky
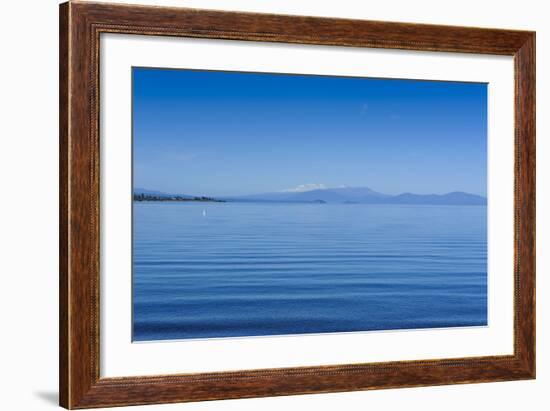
(231, 133)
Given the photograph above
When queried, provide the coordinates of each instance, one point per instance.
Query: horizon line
(289, 192)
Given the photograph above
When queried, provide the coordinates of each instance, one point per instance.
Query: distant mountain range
(346, 195)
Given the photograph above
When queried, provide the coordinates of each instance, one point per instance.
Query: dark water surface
(204, 270)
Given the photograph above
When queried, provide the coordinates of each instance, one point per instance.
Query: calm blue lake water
(247, 269)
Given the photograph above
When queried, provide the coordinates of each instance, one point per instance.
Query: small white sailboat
(204, 213)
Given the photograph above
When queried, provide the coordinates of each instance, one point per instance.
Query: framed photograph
(258, 205)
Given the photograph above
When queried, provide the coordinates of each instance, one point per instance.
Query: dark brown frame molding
(81, 24)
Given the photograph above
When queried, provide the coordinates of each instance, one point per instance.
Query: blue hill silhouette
(345, 195)
(365, 195)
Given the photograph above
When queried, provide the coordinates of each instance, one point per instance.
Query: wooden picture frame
(80, 27)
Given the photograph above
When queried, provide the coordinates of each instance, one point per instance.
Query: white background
(28, 219)
(119, 357)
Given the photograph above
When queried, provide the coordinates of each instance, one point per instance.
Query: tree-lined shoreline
(339, 195)
(150, 197)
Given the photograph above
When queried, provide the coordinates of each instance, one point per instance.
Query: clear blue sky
(230, 133)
